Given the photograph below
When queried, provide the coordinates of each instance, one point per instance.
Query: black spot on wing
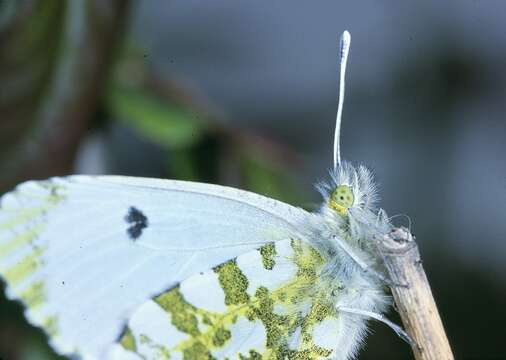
(134, 231)
(135, 215)
(137, 220)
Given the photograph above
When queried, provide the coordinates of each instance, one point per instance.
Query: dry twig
(414, 301)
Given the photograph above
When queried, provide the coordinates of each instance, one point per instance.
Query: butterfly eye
(341, 199)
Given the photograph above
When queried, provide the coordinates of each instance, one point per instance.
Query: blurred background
(244, 94)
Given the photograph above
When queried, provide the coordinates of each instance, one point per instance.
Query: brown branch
(414, 301)
(54, 60)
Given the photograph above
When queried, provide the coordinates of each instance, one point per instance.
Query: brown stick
(414, 301)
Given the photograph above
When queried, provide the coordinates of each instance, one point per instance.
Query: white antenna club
(344, 50)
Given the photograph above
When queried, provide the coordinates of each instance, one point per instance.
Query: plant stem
(414, 301)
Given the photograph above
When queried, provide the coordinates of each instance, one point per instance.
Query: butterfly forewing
(83, 252)
(269, 303)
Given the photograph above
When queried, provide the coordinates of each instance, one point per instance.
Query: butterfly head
(349, 188)
(341, 199)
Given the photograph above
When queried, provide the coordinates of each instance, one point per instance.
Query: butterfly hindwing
(82, 252)
(269, 303)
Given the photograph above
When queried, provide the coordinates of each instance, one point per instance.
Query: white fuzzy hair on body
(327, 231)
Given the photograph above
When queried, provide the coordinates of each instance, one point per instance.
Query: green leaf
(169, 126)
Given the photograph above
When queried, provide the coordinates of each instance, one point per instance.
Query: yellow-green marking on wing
(272, 317)
(22, 222)
(128, 340)
(18, 241)
(24, 267)
(268, 253)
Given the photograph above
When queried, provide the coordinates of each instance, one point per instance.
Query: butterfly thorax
(345, 231)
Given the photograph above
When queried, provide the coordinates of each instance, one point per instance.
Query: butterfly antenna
(344, 49)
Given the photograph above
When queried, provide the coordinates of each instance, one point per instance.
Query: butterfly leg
(385, 279)
(370, 314)
(363, 265)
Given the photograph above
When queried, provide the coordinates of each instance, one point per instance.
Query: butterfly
(115, 267)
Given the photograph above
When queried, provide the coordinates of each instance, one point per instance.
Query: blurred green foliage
(195, 147)
(170, 127)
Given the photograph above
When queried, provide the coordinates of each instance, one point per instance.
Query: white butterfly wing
(83, 252)
(268, 303)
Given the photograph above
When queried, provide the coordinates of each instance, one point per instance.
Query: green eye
(341, 199)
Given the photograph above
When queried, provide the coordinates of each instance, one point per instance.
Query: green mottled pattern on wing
(281, 316)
